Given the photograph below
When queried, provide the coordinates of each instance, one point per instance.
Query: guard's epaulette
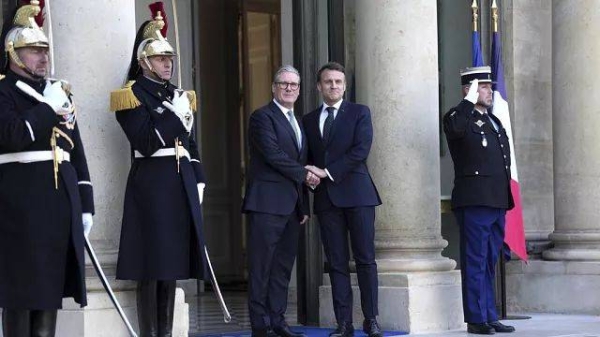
(192, 97)
(124, 99)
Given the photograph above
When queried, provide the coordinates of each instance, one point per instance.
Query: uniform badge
(159, 110)
(479, 123)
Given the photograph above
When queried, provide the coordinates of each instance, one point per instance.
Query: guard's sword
(213, 280)
(107, 287)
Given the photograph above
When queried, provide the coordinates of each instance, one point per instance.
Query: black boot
(146, 308)
(43, 323)
(15, 323)
(165, 308)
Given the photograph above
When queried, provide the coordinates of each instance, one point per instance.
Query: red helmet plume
(159, 7)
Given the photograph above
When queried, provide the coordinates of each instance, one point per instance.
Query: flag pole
(495, 16)
(502, 267)
(475, 8)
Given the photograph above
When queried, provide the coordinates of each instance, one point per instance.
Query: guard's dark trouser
(28, 323)
(481, 237)
(155, 305)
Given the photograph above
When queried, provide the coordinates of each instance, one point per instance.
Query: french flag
(514, 236)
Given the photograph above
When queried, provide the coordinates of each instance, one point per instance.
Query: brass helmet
(25, 31)
(154, 41)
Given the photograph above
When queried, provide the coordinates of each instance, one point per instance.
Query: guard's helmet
(23, 31)
(151, 40)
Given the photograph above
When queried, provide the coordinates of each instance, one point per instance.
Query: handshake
(314, 176)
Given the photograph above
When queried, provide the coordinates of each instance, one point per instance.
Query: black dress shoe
(284, 331)
(480, 329)
(344, 329)
(499, 327)
(259, 333)
(372, 328)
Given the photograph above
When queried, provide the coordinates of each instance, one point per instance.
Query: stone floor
(542, 325)
(210, 320)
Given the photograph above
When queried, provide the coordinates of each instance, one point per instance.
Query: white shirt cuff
(329, 175)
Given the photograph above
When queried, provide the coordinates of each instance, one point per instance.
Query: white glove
(201, 191)
(57, 98)
(54, 96)
(181, 107)
(88, 222)
(473, 94)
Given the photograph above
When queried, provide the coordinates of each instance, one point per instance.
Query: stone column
(92, 44)
(397, 77)
(575, 259)
(576, 137)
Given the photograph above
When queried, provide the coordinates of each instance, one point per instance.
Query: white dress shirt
(296, 129)
(324, 113)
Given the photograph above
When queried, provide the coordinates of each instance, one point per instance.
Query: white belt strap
(34, 156)
(166, 153)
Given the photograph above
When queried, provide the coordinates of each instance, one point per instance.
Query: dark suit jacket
(481, 173)
(344, 156)
(276, 173)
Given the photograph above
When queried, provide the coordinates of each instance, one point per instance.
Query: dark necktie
(328, 123)
(490, 120)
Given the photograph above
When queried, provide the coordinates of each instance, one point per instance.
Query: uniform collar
(38, 85)
(156, 88)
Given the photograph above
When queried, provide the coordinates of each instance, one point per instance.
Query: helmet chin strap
(15, 57)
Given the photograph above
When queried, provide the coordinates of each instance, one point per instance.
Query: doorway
(238, 48)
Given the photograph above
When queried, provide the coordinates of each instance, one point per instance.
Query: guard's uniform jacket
(481, 156)
(41, 233)
(161, 236)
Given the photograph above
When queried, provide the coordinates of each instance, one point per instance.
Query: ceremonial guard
(481, 195)
(161, 236)
(46, 201)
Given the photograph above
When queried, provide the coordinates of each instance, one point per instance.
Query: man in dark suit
(481, 195)
(276, 203)
(339, 135)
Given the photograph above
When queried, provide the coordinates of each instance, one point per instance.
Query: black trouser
(28, 323)
(272, 249)
(335, 224)
(155, 306)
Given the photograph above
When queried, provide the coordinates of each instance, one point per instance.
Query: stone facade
(550, 58)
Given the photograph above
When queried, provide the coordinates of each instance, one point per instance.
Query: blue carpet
(309, 331)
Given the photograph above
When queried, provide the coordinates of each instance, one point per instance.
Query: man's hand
(54, 96)
(312, 180)
(473, 94)
(304, 219)
(88, 222)
(181, 108)
(317, 171)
